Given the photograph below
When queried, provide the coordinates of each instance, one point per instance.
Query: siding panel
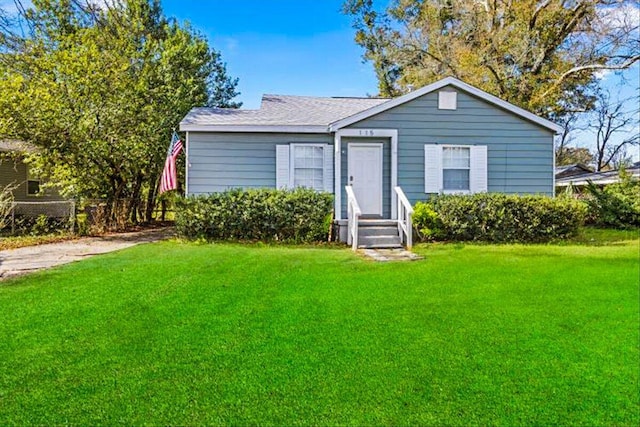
(519, 153)
(222, 161)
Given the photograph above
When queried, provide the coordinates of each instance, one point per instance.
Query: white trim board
(253, 128)
(364, 133)
(448, 81)
(187, 164)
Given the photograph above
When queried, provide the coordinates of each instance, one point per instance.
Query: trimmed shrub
(498, 217)
(616, 205)
(297, 216)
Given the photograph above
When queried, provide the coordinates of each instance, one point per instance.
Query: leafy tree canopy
(99, 86)
(542, 55)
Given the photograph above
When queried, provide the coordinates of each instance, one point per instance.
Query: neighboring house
(14, 172)
(447, 137)
(572, 170)
(580, 180)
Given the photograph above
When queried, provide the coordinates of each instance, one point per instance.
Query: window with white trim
(456, 166)
(307, 166)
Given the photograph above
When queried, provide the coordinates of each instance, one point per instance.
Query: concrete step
(378, 242)
(377, 222)
(378, 230)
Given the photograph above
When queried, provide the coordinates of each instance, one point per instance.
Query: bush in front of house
(495, 217)
(616, 205)
(297, 216)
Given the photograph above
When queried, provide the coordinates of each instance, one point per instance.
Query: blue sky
(302, 47)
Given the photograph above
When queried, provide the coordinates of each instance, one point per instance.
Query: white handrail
(405, 211)
(353, 215)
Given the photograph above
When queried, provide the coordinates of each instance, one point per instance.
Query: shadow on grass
(591, 236)
(587, 236)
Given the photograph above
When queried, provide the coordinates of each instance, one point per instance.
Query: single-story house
(572, 170)
(579, 181)
(372, 153)
(31, 198)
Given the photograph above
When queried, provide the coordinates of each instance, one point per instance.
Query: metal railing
(405, 211)
(353, 216)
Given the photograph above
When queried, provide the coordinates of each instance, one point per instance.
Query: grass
(181, 333)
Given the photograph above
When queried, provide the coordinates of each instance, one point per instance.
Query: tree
(99, 86)
(565, 139)
(540, 55)
(574, 155)
(616, 128)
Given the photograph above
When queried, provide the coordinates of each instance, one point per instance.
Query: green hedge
(498, 218)
(296, 216)
(616, 205)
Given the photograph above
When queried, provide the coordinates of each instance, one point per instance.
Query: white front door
(365, 175)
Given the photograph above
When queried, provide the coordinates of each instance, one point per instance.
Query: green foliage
(616, 205)
(425, 220)
(99, 89)
(498, 217)
(542, 56)
(300, 215)
(41, 225)
(6, 204)
(573, 155)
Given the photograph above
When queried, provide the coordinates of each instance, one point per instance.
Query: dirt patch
(14, 262)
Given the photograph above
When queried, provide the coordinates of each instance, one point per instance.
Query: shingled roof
(15, 146)
(284, 113)
(283, 110)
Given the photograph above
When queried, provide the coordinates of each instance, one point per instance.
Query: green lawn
(177, 333)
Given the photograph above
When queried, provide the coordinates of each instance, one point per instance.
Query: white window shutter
(478, 171)
(282, 166)
(432, 168)
(327, 173)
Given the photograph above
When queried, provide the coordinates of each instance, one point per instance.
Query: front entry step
(378, 234)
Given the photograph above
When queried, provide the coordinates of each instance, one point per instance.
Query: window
(33, 184)
(308, 166)
(304, 165)
(455, 169)
(456, 164)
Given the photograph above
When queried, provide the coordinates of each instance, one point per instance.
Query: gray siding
(222, 161)
(14, 172)
(520, 153)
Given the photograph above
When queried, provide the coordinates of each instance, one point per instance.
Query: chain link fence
(58, 210)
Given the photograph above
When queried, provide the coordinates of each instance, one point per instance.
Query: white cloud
(602, 74)
(101, 4)
(624, 15)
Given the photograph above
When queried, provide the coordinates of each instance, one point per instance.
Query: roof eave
(347, 121)
(189, 127)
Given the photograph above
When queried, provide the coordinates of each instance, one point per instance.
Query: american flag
(169, 180)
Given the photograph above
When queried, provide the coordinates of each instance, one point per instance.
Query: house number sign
(367, 132)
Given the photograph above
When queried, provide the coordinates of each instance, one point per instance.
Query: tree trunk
(132, 210)
(151, 200)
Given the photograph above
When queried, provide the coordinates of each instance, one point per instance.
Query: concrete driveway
(14, 262)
